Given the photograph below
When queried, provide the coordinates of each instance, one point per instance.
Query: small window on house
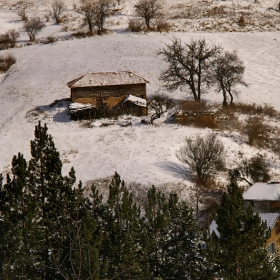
(271, 248)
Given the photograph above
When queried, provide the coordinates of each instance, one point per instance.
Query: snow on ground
(141, 153)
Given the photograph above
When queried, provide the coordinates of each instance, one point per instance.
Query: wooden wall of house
(110, 95)
(275, 236)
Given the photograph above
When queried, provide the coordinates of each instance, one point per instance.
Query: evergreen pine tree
(182, 254)
(45, 182)
(121, 247)
(239, 250)
(16, 210)
(156, 222)
(81, 250)
(48, 229)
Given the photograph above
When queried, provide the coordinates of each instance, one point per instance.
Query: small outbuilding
(122, 91)
(263, 197)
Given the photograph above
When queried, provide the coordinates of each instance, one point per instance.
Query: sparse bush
(58, 7)
(162, 25)
(81, 34)
(50, 40)
(149, 10)
(241, 21)
(47, 18)
(158, 104)
(203, 155)
(95, 13)
(105, 124)
(8, 39)
(256, 130)
(64, 28)
(228, 120)
(135, 25)
(32, 27)
(6, 62)
(251, 171)
(252, 109)
(22, 14)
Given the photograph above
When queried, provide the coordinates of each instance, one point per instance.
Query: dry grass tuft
(136, 25)
(252, 109)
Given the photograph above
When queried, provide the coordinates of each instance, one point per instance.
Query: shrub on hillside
(32, 27)
(136, 25)
(50, 40)
(204, 157)
(252, 109)
(162, 25)
(8, 39)
(256, 130)
(22, 14)
(149, 10)
(241, 21)
(6, 62)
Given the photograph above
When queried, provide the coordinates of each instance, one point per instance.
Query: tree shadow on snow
(175, 169)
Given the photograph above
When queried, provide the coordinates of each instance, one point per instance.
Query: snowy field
(140, 153)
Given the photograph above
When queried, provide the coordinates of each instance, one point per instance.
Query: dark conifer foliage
(15, 207)
(156, 221)
(49, 229)
(122, 226)
(239, 251)
(182, 253)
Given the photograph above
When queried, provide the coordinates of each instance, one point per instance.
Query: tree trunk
(90, 29)
(225, 98)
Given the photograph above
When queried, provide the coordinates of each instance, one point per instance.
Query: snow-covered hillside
(140, 153)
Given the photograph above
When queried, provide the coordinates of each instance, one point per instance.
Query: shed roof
(263, 192)
(269, 218)
(73, 107)
(136, 100)
(107, 79)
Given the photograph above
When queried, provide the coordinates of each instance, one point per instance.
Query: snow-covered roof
(75, 106)
(136, 100)
(269, 218)
(263, 191)
(107, 79)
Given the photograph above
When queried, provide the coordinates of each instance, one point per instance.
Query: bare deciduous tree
(159, 103)
(95, 14)
(58, 7)
(32, 27)
(148, 10)
(251, 171)
(187, 65)
(203, 155)
(226, 72)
